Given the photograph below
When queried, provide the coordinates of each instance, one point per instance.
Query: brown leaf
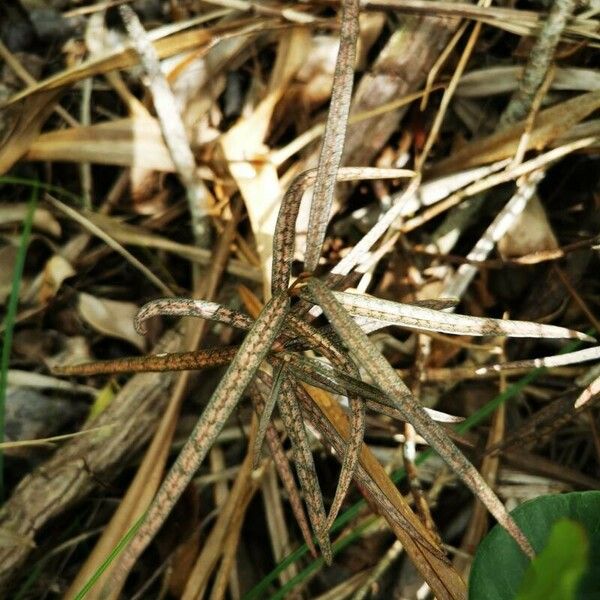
(26, 122)
(131, 142)
(550, 124)
(111, 317)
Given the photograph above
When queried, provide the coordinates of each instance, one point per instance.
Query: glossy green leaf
(499, 569)
(556, 572)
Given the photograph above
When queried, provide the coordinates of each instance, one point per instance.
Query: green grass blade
(9, 321)
(316, 564)
(33, 183)
(89, 584)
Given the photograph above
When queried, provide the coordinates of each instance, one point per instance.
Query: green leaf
(11, 315)
(501, 572)
(555, 573)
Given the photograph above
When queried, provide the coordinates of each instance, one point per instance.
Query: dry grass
(209, 176)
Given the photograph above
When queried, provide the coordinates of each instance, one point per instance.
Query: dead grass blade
(449, 92)
(486, 183)
(172, 127)
(25, 124)
(540, 58)
(166, 44)
(367, 241)
(126, 233)
(490, 81)
(521, 22)
(387, 379)
(279, 156)
(130, 142)
(549, 125)
(295, 16)
(51, 441)
(549, 362)
(526, 190)
(109, 241)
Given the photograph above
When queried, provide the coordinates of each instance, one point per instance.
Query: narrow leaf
(241, 371)
(305, 466)
(285, 230)
(173, 361)
(335, 135)
(387, 379)
(189, 307)
(266, 413)
(357, 414)
(284, 470)
(319, 374)
(425, 319)
(558, 360)
(590, 392)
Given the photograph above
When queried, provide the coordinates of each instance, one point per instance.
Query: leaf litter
(314, 374)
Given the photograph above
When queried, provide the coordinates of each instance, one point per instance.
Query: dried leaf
(43, 220)
(56, 270)
(138, 236)
(26, 122)
(111, 318)
(134, 142)
(168, 41)
(549, 125)
(501, 80)
(530, 233)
